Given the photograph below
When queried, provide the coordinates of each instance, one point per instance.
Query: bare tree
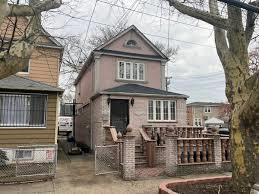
(232, 38)
(254, 60)
(14, 52)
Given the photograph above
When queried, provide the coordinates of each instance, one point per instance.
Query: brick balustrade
(184, 155)
(171, 156)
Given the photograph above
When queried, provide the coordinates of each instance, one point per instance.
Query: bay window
(161, 110)
(131, 71)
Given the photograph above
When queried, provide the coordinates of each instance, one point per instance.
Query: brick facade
(160, 155)
(197, 110)
(129, 157)
(83, 126)
(171, 155)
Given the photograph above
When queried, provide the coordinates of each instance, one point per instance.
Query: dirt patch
(215, 188)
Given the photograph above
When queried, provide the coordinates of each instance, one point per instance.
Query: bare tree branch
(26, 10)
(210, 18)
(15, 57)
(250, 23)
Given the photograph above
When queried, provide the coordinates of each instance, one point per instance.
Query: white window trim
(199, 119)
(131, 71)
(28, 72)
(206, 108)
(162, 111)
(28, 158)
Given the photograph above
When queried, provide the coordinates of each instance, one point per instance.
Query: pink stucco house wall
(123, 83)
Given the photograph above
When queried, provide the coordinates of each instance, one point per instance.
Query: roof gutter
(142, 94)
(128, 55)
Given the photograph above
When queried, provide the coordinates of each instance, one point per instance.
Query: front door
(120, 114)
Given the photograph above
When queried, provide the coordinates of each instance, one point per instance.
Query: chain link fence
(106, 159)
(28, 163)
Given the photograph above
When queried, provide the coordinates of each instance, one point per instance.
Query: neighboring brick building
(199, 112)
(123, 82)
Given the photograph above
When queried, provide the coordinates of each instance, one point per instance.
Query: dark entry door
(120, 114)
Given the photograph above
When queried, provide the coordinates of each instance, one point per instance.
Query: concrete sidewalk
(77, 176)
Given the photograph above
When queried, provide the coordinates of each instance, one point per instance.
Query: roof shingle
(14, 82)
(139, 89)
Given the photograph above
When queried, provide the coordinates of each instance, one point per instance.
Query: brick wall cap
(165, 187)
(108, 126)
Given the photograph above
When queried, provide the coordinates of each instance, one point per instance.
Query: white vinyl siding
(131, 71)
(161, 110)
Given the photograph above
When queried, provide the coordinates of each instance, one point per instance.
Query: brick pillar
(129, 157)
(171, 153)
(217, 150)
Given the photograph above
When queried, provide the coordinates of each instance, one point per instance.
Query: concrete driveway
(76, 175)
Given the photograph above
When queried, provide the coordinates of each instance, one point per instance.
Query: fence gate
(106, 159)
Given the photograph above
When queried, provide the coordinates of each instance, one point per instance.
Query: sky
(196, 70)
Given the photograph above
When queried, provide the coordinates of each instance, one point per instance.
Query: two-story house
(123, 83)
(199, 112)
(29, 100)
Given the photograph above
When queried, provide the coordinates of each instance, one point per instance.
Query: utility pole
(240, 4)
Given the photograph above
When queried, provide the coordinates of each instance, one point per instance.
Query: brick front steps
(168, 186)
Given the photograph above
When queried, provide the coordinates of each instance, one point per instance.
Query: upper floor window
(23, 110)
(207, 109)
(26, 69)
(131, 43)
(131, 71)
(161, 110)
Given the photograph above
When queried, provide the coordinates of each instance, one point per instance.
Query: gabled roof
(139, 90)
(102, 49)
(133, 27)
(15, 82)
(205, 104)
(56, 43)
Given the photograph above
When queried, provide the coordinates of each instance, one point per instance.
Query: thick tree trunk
(243, 149)
(242, 90)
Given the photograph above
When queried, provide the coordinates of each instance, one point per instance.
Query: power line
(105, 2)
(241, 4)
(158, 36)
(88, 28)
(209, 75)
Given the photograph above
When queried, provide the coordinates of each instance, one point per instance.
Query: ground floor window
(23, 110)
(161, 110)
(197, 122)
(24, 154)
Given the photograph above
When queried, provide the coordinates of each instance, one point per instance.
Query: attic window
(131, 43)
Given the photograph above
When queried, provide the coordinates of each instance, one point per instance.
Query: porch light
(132, 101)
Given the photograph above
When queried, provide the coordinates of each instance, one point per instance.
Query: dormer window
(131, 43)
